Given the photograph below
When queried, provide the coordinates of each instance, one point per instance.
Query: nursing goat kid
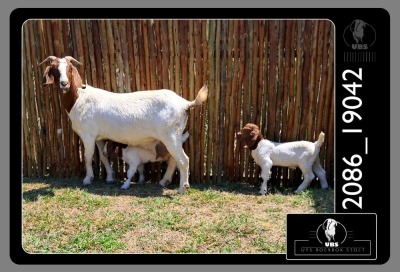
(137, 156)
(302, 154)
(137, 118)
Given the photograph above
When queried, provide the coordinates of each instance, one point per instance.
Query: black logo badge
(331, 236)
(359, 35)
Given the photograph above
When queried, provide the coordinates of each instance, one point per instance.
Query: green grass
(61, 216)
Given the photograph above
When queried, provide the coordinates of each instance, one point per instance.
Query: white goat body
(289, 154)
(136, 118)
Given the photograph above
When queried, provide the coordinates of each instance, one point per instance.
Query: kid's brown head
(113, 149)
(251, 135)
(161, 151)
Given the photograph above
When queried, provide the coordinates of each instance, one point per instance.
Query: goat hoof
(164, 183)
(123, 188)
(186, 185)
(110, 178)
(181, 190)
(87, 181)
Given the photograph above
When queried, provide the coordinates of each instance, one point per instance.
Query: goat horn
(51, 58)
(71, 59)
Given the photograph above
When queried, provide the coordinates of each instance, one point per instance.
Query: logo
(359, 35)
(331, 233)
(331, 236)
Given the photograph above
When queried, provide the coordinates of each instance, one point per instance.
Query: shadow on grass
(98, 187)
(323, 199)
(33, 195)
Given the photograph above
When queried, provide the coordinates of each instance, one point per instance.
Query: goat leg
(110, 172)
(140, 169)
(168, 174)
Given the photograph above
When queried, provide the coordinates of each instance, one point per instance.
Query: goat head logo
(359, 35)
(330, 228)
(331, 233)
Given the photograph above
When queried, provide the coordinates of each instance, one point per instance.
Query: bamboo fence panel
(277, 74)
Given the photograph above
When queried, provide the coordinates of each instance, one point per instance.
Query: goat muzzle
(64, 86)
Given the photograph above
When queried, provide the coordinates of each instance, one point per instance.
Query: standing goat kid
(302, 154)
(137, 156)
(137, 118)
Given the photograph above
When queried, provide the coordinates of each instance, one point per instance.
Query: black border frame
(377, 100)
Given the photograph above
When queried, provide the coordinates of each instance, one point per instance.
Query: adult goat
(137, 118)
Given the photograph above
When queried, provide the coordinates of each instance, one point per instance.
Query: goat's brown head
(62, 72)
(113, 149)
(251, 135)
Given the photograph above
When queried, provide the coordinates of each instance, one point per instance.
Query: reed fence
(277, 74)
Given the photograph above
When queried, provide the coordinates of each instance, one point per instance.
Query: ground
(61, 216)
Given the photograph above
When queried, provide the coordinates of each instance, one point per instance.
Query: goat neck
(69, 97)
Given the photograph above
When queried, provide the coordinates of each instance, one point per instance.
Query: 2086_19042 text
(352, 176)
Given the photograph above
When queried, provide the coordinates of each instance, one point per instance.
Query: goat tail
(185, 136)
(320, 140)
(200, 98)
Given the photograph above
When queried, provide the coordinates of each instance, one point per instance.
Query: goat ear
(77, 77)
(254, 134)
(353, 25)
(48, 77)
(325, 224)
